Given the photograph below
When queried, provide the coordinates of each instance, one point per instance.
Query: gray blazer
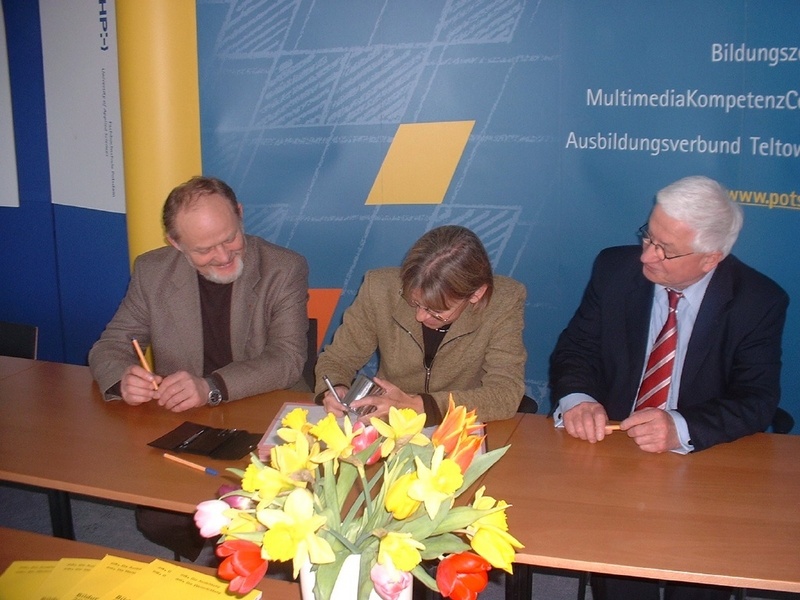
(269, 320)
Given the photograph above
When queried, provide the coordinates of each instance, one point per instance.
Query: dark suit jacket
(269, 320)
(730, 385)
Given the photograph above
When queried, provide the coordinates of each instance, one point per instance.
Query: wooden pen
(143, 361)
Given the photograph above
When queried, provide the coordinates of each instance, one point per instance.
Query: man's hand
(136, 385)
(586, 421)
(393, 396)
(182, 391)
(652, 429)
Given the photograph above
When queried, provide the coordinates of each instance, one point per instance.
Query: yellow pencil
(143, 360)
(187, 463)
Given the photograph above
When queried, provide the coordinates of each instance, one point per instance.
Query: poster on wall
(79, 51)
(9, 192)
(578, 114)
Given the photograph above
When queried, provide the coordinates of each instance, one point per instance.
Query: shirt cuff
(567, 402)
(683, 433)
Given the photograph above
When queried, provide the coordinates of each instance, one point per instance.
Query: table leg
(519, 586)
(61, 514)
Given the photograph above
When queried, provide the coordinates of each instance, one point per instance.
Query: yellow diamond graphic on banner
(420, 163)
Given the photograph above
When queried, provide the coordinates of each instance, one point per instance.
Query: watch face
(214, 397)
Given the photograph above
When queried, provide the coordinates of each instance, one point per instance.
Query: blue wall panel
(300, 101)
(93, 267)
(65, 269)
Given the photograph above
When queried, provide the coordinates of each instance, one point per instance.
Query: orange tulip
(465, 450)
(457, 422)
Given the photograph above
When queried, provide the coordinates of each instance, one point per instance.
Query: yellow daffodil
(266, 482)
(294, 424)
(397, 500)
(401, 549)
(338, 442)
(241, 522)
(292, 531)
(405, 427)
(489, 535)
(293, 457)
(436, 484)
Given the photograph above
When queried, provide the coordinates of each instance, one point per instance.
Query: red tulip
(462, 576)
(243, 565)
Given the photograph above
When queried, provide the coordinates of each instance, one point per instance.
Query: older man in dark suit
(225, 313)
(676, 339)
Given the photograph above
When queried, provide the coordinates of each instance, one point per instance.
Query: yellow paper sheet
(109, 573)
(67, 573)
(23, 577)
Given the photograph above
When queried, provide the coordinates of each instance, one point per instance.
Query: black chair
(528, 405)
(19, 340)
(782, 422)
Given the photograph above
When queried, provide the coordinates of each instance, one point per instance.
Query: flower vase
(346, 586)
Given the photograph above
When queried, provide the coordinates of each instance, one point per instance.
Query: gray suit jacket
(269, 320)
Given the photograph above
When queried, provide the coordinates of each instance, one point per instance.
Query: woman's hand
(392, 396)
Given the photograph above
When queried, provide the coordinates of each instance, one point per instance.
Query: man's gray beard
(216, 279)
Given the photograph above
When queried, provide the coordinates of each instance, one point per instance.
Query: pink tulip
(235, 500)
(388, 581)
(367, 435)
(210, 517)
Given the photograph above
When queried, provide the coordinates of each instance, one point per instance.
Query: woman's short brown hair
(448, 264)
(185, 195)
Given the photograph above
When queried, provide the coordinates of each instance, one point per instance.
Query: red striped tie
(655, 385)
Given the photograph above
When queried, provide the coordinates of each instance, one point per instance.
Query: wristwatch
(214, 395)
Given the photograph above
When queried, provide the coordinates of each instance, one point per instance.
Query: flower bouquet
(320, 500)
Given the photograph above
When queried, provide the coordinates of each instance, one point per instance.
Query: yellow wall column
(160, 109)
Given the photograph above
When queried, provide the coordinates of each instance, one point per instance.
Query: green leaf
(422, 575)
(448, 543)
(479, 466)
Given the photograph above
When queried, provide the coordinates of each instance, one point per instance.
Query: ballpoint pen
(332, 390)
(192, 465)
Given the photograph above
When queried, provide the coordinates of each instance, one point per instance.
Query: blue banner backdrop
(582, 112)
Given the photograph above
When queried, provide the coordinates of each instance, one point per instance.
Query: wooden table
(729, 515)
(24, 545)
(59, 434)
(10, 365)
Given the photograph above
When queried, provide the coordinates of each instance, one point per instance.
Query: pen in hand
(143, 361)
(332, 390)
